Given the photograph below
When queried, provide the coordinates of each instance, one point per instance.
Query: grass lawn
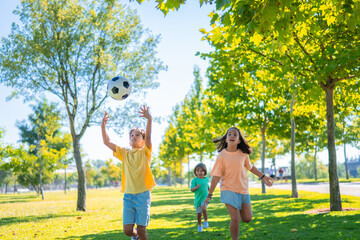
(276, 216)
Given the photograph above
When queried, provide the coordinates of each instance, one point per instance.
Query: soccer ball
(119, 88)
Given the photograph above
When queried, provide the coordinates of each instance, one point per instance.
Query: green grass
(276, 216)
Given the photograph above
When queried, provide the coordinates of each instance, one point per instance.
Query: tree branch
(261, 54)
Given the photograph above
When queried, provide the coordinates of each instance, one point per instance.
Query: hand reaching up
(145, 112)
(105, 119)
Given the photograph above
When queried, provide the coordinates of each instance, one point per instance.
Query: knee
(128, 231)
(235, 220)
(141, 230)
(247, 219)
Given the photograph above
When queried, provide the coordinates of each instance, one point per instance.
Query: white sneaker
(200, 228)
(206, 224)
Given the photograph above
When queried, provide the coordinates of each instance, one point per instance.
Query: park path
(352, 189)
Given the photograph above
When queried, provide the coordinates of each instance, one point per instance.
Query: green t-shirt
(202, 192)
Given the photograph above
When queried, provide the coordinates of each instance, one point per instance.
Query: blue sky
(180, 40)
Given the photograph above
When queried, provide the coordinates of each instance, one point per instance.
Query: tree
(347, 129)
(315, 40)
(243, 93)
(5, 175)
(45, 141)
(318, 40)
(112, 171)
(70, 49)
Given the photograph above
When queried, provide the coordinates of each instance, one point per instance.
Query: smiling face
(136, 139)
(199, 172)
(233, 138)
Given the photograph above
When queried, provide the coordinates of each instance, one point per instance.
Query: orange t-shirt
(231, 168)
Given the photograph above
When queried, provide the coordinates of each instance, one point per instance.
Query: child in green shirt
(200, 185)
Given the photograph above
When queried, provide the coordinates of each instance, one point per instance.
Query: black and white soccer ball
(119, 88)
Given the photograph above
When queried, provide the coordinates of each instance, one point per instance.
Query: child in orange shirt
(230, 169)
(137, 179)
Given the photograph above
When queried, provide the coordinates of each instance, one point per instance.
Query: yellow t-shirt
(136, 173)
(231, 168)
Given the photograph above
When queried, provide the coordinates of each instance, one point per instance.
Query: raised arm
(146, 114)
(105, 135)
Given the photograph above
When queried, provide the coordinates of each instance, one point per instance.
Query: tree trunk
(346, 165)
(181, 176)
(169, 176)
(174, 174)
(263, 189)
(315, 167)
(40, 167)
(335, 197)
(41, 184)
(81, 199)
(14, 188)
(294, 192)
(274, 165)
(65, 182)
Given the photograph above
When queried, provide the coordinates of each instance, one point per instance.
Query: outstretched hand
(105, 119)
(268, 181)
(145, 112)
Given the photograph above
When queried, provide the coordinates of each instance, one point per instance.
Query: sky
(180, 40)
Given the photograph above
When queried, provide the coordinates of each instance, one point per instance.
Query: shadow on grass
(25, 219)
(16, 198)
(299, 226)
(285, 205)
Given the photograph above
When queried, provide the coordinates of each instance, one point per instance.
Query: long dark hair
(243, 145)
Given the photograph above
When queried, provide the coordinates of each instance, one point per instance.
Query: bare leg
(129, 230)
(235, 219)
(199, 218)
(246, 212)
(141, 230)
(205, 214)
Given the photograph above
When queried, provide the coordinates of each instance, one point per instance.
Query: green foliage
(71, 49)
(103, 173)
(44, 147)
(112, 171)
(189, 133)
(305, 168)
(6, 177)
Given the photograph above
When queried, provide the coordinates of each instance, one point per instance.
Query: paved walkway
(352, 189)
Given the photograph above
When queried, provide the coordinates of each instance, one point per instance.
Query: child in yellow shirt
(137, 179)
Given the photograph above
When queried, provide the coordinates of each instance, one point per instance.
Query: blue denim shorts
(199, 209)
(235, 199)
(137, 208)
